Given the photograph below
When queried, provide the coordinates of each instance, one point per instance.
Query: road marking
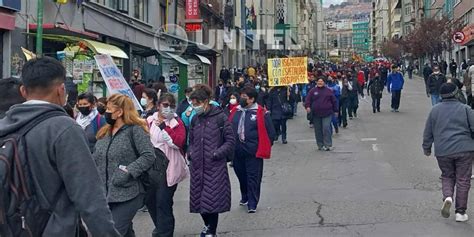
(375, 147)
(371, 139)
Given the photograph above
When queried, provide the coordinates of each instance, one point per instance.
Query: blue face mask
(199, 109)
(257, 87)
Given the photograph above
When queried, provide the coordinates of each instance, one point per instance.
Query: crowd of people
(102, 161)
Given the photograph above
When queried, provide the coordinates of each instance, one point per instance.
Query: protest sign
(287, 71)
(114, 79)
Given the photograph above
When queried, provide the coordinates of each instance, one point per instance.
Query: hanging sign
(287, 71)
(114, 79)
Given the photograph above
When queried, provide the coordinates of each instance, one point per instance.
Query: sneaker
(250, 211)
(337, 130)
(378, 110)
(204, 231)
(350, 118)
(326, 148)
(344, 125)
(461, 217)
(374, 111)
(311, 126)
(320, 148)
(355, 115)
(392, 110)
(284, 141)
(242, 203)
(472, 176)
(446, 207)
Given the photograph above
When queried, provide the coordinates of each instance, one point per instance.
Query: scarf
(264, 148)
(241, 126)
(84, 121)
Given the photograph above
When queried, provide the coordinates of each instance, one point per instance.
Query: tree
(392, 49)
(431, 37)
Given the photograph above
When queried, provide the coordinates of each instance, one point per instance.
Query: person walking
(89, 118)
(184, 104)
(123, 152)
(322, 104)
(254, 133)
(336, 89)
(168, 134)
(395, 83)
(427, 71)
(374, 90)
(444, 67)
(454, 149)
(433, 85)
(211, 142)
(467, 81)
(344, 102)
(410, 69)
(353, 99)
(148, 101)
(453, 68)
(220, 93)
(278, 105)
(63, 177)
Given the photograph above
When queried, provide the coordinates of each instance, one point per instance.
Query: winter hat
(448, 90)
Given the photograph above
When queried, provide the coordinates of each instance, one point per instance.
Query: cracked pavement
(355, 190)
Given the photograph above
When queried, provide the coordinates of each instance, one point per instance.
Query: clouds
(327, 3)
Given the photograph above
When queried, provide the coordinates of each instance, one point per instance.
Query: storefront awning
(203, 59)
(101, 48)
(177, 58)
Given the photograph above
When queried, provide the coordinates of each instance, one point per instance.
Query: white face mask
(143, 102)
(168, 112)
(233, 101)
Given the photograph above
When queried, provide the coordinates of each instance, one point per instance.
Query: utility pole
(39, 29)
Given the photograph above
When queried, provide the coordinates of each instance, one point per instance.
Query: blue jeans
(435, 99)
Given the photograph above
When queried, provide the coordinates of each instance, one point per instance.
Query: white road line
(371, 139)
(375, 147)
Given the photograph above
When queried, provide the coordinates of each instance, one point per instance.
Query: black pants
(396, 95)
(353, 105)
(160, 207)
(376, 103)
(123, 214)
(343, 108)
(249, 171)
(210, 220)
(280, 127)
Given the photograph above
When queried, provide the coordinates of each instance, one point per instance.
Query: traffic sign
(459, 37)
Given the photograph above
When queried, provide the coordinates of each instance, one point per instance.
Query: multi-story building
(396, 18)
(381, 19)
(361, 36)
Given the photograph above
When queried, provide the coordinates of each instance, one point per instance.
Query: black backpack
(20, 212)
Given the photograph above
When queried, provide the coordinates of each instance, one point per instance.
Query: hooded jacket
(60, 160)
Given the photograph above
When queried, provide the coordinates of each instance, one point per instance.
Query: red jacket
(361, 78)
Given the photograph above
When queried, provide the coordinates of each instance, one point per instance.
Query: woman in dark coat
(279, 96)
(211, 141)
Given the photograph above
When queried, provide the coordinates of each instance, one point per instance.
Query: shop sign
(114, 79)
(192, 9)
(287, 71)
(468, 32)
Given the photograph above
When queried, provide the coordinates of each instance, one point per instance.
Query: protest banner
(287, 71)
(114, 79)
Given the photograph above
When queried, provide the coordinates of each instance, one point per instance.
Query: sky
(327, 3)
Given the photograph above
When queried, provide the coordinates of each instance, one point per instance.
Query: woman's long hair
(129, 117)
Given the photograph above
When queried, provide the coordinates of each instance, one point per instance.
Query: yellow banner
(287, 71)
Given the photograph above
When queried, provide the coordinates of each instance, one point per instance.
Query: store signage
(114, 79)
(193, 27)
(192, 9)
(468, 32)
(11, 4)
(287, 71)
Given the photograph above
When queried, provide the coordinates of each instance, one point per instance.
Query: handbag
(286, 108)
(469, 124)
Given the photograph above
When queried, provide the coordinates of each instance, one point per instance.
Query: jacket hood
(21, 114)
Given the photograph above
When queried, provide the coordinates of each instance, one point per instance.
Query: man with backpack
(56, 180)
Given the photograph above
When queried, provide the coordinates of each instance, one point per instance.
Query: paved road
(375, 183)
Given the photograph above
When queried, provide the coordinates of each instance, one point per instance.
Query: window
(408, 10)
(119, 5)
(397, 24)
(407, 29)
(141, 10)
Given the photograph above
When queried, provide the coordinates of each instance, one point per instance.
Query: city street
(376, 182)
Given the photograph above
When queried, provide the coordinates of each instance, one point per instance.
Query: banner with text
(287, 71)
(114, 79)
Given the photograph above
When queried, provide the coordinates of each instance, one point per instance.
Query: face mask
(243, 102)
(143, 102)
(199, 109)
(257, 87)
(84, 110)
(109, 119)
(233, 101)
(101, 109)
(168, 113)
(220, 84)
